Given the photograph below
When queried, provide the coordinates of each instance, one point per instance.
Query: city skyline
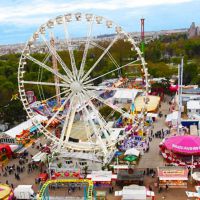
(19, 18)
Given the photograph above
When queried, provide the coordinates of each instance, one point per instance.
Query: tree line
(162, 55)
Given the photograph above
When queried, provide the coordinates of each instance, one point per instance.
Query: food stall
(102, 178)
(181, 150)
(173, 176)
(124, 177)
(135, 192)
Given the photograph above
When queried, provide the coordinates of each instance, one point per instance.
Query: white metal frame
(76, 85)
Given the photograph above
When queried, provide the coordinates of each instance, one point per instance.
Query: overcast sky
(20, 18)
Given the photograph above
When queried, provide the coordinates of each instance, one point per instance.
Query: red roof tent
(7, 148)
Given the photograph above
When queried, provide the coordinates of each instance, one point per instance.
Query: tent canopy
(132, 151)
(24, 126)
(133, 192)
(152, 105)
(193, 104)
(131, 158)
(172, 116)
(102, 176)
(126, 94)
(196, 176)
(185, 144)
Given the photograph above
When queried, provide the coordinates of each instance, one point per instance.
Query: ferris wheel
(72, 84)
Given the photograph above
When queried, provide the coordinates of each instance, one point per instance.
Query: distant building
(193, 31)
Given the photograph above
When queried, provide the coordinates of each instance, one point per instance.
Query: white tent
(24, 126)
(132, 192)
(102, 176)
(80, 155)
(196, 176)
(13, 147)
(132, 151)
(193, 105)
(193, 130)
(172, 116)
(123, 95)
(40, 156)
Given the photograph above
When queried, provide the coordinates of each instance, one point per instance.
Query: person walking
(166, 186)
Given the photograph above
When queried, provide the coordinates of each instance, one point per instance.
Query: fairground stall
(101, 179)
(182, 150)
(196, 178)
(173, 177)
(135, 192)
(134, 176)
(26, 131)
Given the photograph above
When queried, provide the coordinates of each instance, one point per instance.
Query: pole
(56, 79)
(142, 35)
(142, 41)
(192, 164)
(180, 89)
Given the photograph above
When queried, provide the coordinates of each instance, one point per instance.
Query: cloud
(34, 12)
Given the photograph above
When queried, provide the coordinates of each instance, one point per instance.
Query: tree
(12, 112)
(190, 73)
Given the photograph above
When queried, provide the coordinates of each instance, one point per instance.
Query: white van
(24, 192)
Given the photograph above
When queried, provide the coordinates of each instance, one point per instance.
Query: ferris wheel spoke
(46, 67)
(58, 58)
(64, 92)
(44, 83)
(109, 54)
(100, 120)
(47, 58)
(67, 126)
(87, 128)
(100, 58)
(57, 112)
(96, 131)
(108, 103)
(130, 63)
(71, 53)
(81, 71)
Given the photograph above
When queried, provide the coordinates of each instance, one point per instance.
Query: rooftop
(193, 104)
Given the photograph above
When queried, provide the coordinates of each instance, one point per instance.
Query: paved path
(153, 159)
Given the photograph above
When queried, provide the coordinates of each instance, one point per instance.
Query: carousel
(182, 150)
(6, 192)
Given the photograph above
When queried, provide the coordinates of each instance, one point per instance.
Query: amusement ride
(75, 83)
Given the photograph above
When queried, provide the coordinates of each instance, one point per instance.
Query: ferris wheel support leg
(65, 124)
(71, 120)
(105, 151)
(102, 125)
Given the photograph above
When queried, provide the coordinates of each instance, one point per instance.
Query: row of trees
(160, 54)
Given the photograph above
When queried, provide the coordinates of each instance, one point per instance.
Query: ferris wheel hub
(76, 87)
